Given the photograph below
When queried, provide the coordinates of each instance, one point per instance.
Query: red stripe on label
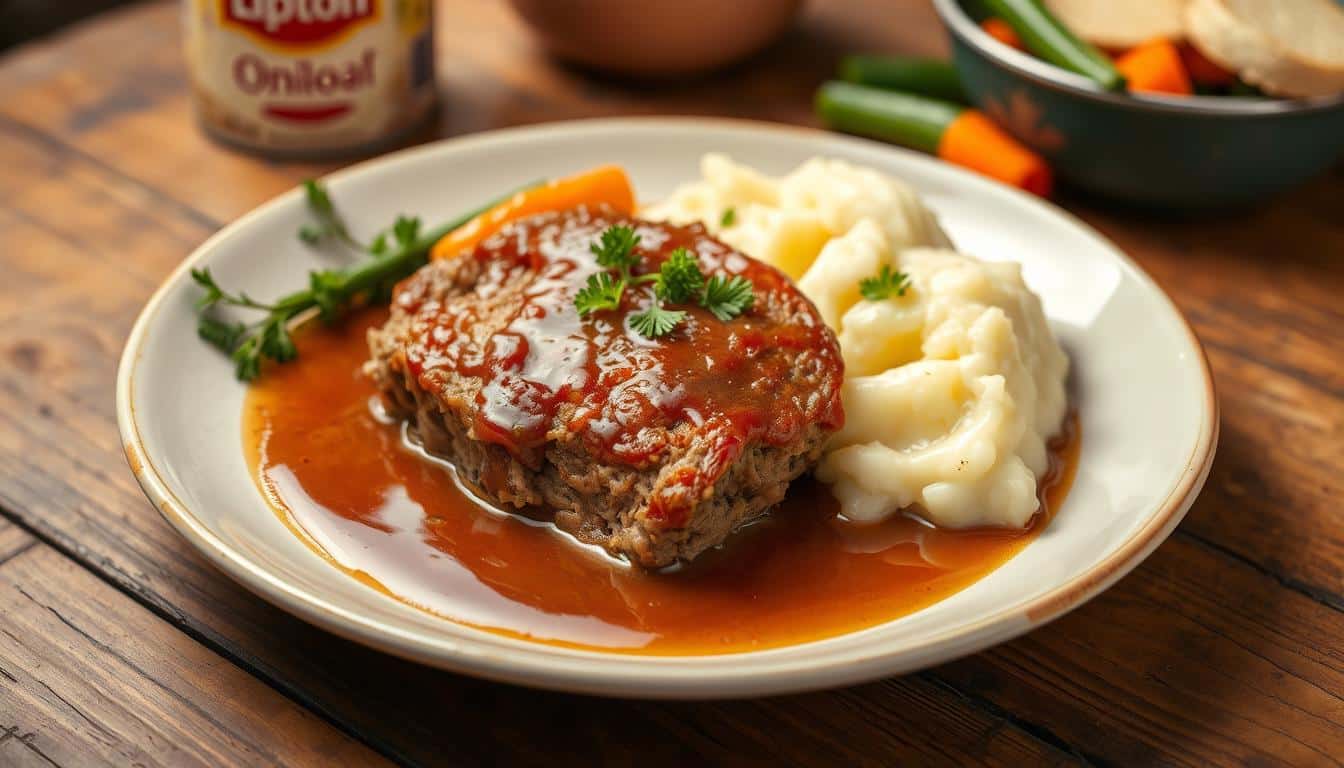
(308, 113)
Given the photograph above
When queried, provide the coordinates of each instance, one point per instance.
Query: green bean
(1047, 38)
(926, 77)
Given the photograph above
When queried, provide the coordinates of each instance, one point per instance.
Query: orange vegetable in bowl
(1155, 67)
(1003, 32)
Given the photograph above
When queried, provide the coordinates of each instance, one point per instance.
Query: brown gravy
(349, 484)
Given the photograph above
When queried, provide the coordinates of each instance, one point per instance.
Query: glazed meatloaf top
(656, 449)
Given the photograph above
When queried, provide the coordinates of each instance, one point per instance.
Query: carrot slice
(1203, 70)
(1003, 32)
(1155, 67)
(604, 185)
(974, 141)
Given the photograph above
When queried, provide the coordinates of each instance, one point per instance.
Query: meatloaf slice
(655, 449)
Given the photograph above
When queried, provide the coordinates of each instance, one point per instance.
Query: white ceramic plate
(1141, 382)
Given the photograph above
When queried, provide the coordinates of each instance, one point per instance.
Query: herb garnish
(602, 292)
(656, 321)
(885, 284)
(678, 281)
(728, 297)
(729, 217)
(330, 291)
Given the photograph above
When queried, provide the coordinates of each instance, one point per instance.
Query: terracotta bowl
(655, 39)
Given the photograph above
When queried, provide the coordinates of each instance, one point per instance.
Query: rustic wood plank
(97, 679)
(22, 20)
(13, 540)
(1191, 657)
(134, 106)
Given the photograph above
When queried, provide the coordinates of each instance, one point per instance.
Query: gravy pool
(351, 485)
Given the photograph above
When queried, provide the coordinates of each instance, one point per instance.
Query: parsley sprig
(601, 292)
(393, 254)
(678, 281)
(656, 321)
(885, 284)
(728, 297)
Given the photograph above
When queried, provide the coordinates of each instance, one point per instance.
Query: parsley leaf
(729, 217)
(378, 246)
(616, 248)
(601, 292)
(216, 295)
(221, 335)
(213, 293)
(247, 360)
(679, 278)
(884, 285)
(656, 320)
(276, 342)
(327, 288)
(328, 222)
(728, 297)
(405, 230)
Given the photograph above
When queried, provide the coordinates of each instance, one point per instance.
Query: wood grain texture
(1192, 659)
(96, 679)
(1223, 649)
(13, 540)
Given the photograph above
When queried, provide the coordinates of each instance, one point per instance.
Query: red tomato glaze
(764, 375)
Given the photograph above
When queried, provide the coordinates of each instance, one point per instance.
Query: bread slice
(1286, 47)
(1121, 25)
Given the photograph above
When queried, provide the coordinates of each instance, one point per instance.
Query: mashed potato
(951, 390)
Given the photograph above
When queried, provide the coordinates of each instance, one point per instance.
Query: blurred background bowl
(656, 38)
(1187, 152)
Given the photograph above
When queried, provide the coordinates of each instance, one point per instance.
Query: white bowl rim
(534, 664)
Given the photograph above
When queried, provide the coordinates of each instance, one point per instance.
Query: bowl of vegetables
(1167, 116)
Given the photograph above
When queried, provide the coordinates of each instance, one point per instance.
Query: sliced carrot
(1155, 67)
(1204, 71)
(974, 141)
(604, 185)
(1003, 32)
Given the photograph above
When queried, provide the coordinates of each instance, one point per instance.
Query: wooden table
(119, 644)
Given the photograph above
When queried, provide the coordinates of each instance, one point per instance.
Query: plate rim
(540, 665)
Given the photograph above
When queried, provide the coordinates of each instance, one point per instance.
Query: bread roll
(1286, 47)
(1121, 25)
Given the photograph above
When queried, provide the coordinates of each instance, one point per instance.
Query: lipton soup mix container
(310, 78)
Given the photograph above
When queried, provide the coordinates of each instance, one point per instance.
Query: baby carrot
(956, 134)
(605, 184)
(1155, 67)
(976, 142)
(1003, 32)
